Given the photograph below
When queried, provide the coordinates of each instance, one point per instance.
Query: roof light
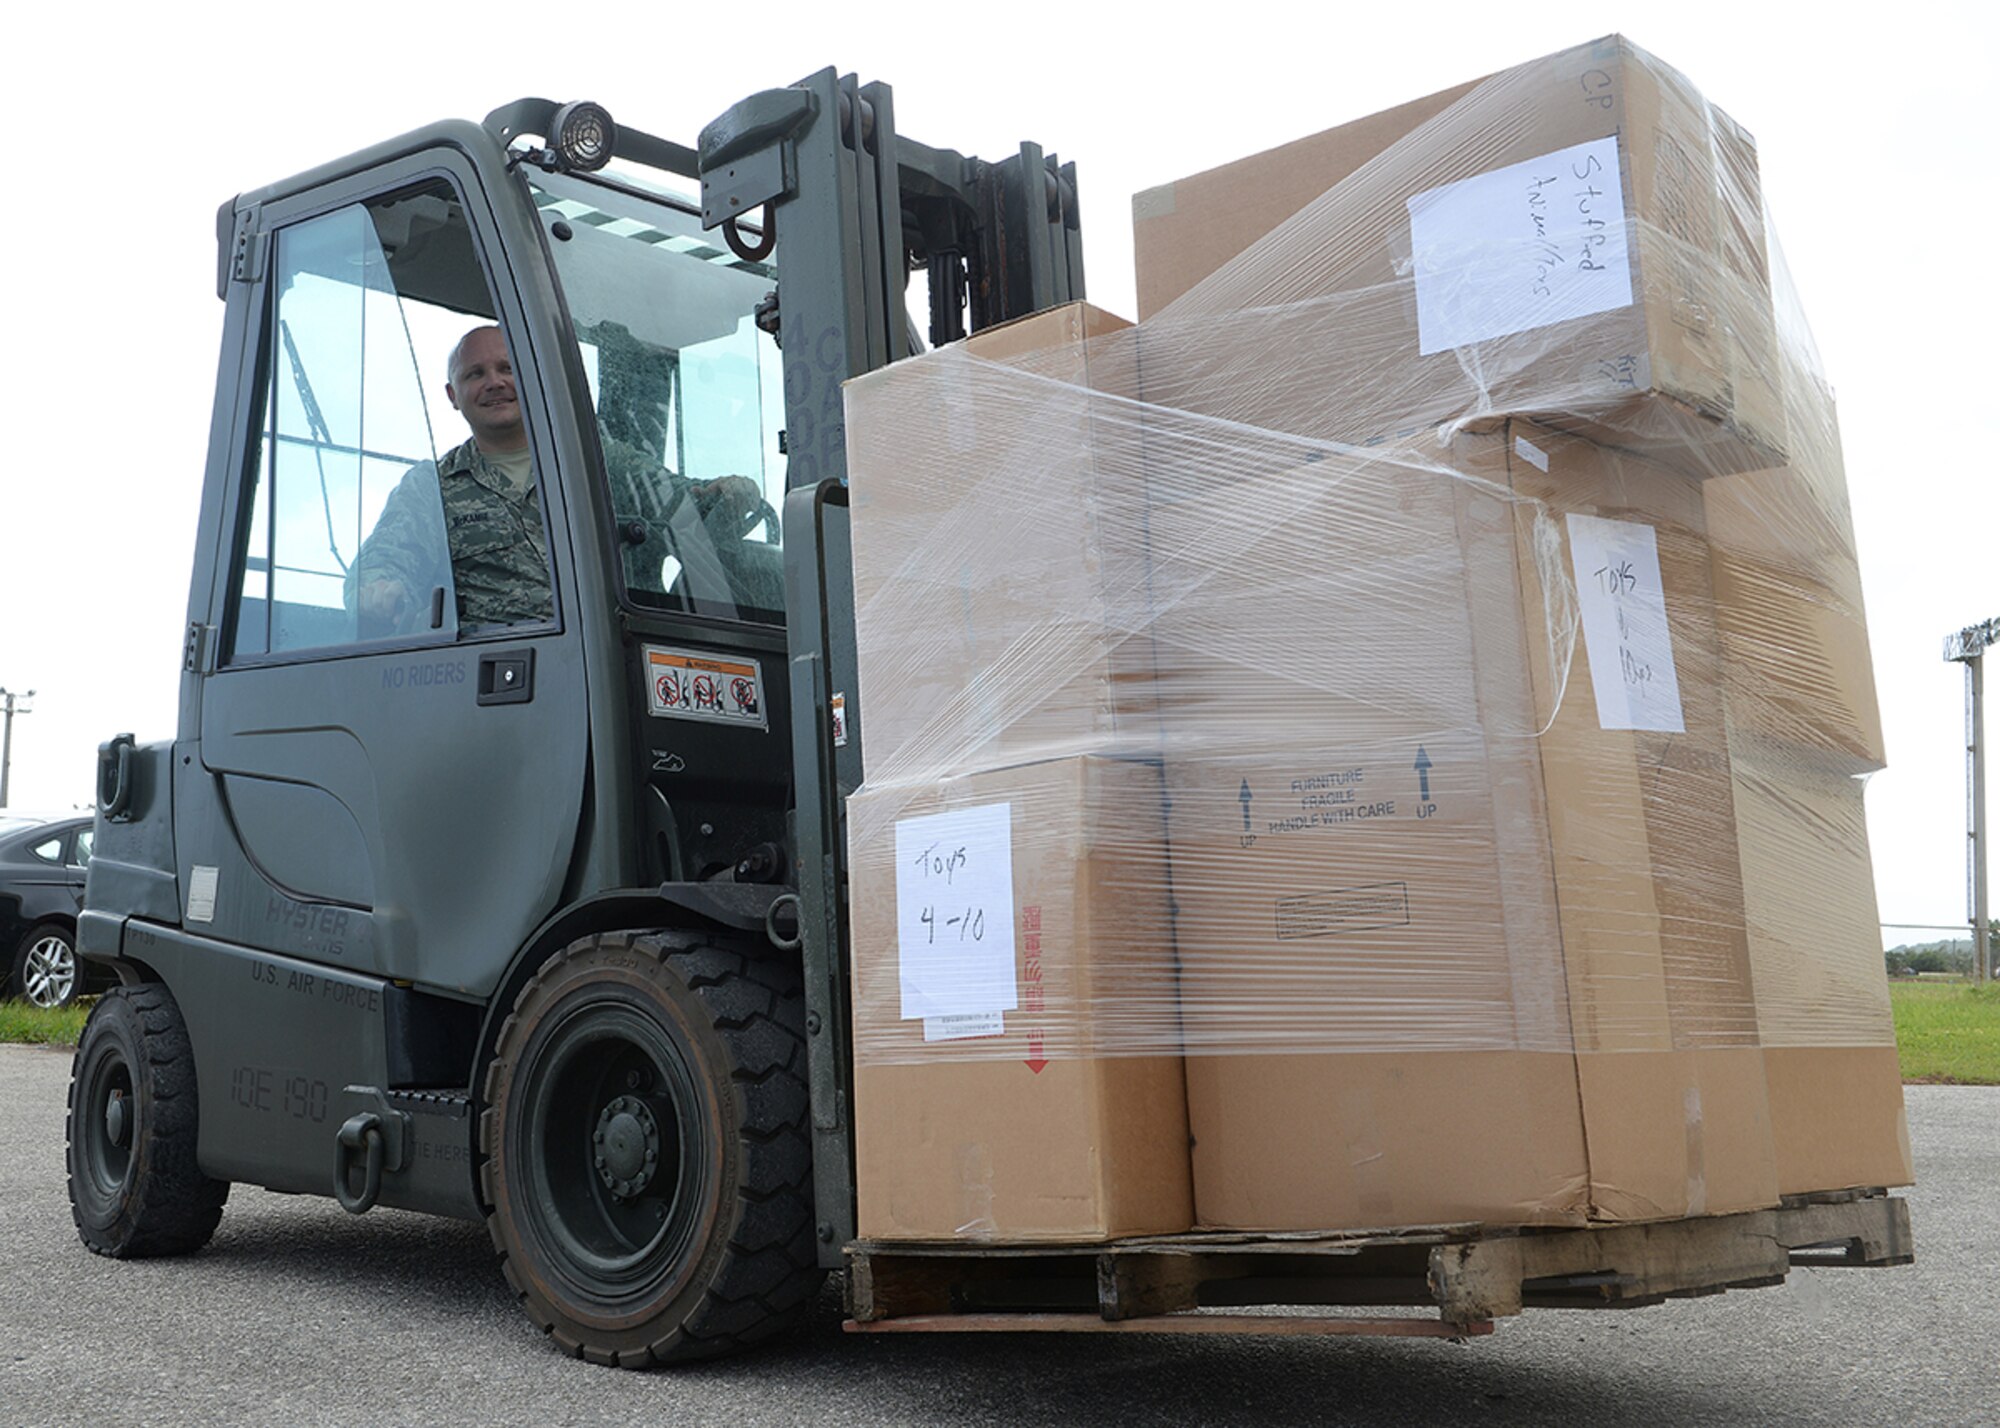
(584, 136)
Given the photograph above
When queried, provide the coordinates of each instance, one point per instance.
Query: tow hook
(362, 1132)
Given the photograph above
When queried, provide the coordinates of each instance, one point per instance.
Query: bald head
(481, 389)
(451, 360)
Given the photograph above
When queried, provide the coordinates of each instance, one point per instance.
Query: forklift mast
(854, 207)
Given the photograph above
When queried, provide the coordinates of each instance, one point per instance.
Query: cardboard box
(1375, 1024)
(1788, 600)
(1185, 230)
(1642, 826)
(1470, 254)
(1822, 995)
(998, 570)
(1487, 960)
(1334, 601)
(1052, 1126)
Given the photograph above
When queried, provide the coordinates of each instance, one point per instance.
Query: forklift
(498, 870)
(533, 915)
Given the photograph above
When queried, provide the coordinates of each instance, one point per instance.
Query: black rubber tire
(651, 1268)
(145, 1196)
(26, 947)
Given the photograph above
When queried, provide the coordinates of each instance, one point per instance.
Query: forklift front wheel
(648, 1163)
(134, 1186)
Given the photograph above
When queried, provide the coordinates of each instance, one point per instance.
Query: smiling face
(482, 391)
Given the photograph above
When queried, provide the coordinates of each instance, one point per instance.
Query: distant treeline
(1951, 955)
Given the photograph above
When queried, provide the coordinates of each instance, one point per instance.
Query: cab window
(395, 498)
(687, 391)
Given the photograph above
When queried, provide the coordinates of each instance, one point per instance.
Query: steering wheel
(766, 515)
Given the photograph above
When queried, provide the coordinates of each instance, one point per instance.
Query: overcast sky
(1875, 130)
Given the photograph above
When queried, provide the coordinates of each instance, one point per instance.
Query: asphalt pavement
(300, 1314)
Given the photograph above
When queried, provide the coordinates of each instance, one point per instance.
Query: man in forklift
(492, 523)
(492, 519)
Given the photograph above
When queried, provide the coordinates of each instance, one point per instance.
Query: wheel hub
(626, 1146)
(49, 973)
(117, 1120)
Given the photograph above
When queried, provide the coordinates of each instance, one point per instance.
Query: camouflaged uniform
(499, 562)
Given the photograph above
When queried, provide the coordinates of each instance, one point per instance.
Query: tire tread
(169, 1206)
(768, 1272)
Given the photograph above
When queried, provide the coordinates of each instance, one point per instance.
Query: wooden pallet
(1467, 1275)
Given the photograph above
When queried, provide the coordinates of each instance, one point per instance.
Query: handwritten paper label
(955, 913)
(1522, 247)
(1531, 453)
(1625, 630)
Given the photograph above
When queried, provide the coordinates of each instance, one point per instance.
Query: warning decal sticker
(201, 894)
(687, 684)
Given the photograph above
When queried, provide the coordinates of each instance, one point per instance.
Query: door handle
(507, 677)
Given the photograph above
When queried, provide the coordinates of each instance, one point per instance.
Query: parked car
(42, 863)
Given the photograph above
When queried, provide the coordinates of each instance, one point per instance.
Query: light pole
(1968, 647)
(15, 704)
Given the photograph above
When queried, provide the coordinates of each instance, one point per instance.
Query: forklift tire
(134, 1187)
(647, 1149)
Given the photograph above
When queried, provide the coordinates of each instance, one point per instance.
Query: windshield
(688, 395)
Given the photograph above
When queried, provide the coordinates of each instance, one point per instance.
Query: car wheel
(45, 967)
(648, 1166)
(134, 1187)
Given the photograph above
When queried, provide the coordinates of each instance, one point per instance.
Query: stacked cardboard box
(1035, 1095)
(999, 588)
(1683, 974)
(1394, 716)
(1030, 1121)
(1580, 238)
(1803, 722)
(1512, 882)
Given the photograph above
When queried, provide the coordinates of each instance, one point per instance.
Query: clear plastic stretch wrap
(1432, 634)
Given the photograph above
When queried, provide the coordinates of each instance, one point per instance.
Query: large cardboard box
(999, 580)
(1371, 980)
(1642, 826)
(1822, 996)
(1046, 1120)
(1343, 600)
(1451, 948)
(1580, 239)
(1788, 599)
(1188, 229)
(1375, 1023)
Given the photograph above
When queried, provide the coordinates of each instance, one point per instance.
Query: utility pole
(1968, 647)
(15, 704)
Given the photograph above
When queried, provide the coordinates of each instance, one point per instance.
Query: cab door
(391, 786)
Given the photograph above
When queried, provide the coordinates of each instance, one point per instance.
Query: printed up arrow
(1423, 768)
(1243, 797)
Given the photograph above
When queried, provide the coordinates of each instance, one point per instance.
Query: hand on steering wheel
(734, 506)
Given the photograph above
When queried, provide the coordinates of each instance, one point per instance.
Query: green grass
(21, 1022)
(1948, 1032)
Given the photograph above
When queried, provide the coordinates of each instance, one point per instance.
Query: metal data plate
(693, 684)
